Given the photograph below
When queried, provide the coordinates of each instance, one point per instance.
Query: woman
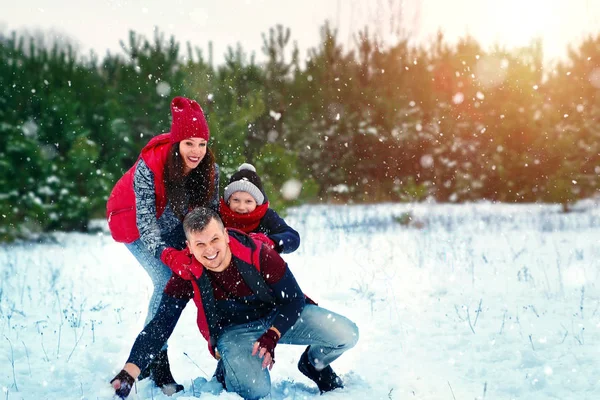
(174, 173)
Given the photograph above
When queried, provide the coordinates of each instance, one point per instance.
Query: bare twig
(596, 310)
(469, 319)
(44, 348)
(531, 341)
(503, 320)
(76, 343)
(560, 278)
(517, 254)
(581, 301)
(27, 354)
(565, 335)
(185, 354)
(59, 325)
(58, 342)
(12, 362)
(9, 315)
(477, 312)
(452, 391)
(457, 313)
(547, 283)
(577, 337)
(519, 323)
(534, 310)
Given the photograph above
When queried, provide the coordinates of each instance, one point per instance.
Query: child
(245, 206)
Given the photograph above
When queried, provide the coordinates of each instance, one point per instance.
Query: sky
(100, 25)
(473, 301)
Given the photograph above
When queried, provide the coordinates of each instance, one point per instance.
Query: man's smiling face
(211, 246)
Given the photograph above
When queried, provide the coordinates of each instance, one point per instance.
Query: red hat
(188, 120)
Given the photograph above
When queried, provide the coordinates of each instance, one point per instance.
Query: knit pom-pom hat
(188, 120)
(245, 180)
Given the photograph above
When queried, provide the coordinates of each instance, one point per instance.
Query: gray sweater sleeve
(145, 203)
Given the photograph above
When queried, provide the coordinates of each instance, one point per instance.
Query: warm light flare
(519, 22)
(491, 71)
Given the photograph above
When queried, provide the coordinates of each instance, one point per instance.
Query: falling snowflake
(458, 98)
(594, 78)
(163, 89)
(291, 189)
(30, 128)
(427, 161)
(272, 136)
(275, 115)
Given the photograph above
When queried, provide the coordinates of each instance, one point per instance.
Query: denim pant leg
(156, 270)
(328, 334)
(244, 374)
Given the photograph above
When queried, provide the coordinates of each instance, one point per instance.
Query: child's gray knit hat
(245, 180)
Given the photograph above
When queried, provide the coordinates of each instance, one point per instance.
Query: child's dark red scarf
(244, 222)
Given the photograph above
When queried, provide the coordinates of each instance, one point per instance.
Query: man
(248, 301)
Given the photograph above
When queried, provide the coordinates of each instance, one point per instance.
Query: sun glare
(518, 22)
(510, 23)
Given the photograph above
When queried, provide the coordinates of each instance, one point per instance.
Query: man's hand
(265, 347)
(122, 383)
(263, 238)
(177, 260)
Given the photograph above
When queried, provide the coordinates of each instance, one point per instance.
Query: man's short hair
(197, 220)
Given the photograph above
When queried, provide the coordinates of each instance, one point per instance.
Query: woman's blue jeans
(328, 334)
(159, 272)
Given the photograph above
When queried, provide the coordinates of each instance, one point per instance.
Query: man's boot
(325, 379)
(160, 373)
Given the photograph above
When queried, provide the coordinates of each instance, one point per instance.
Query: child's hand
(177, 260)
(263, 238)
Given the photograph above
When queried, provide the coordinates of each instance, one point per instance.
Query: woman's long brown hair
(187, 192)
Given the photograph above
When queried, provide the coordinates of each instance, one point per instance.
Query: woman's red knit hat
(188, 120)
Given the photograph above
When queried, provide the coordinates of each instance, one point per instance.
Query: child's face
(242, 202)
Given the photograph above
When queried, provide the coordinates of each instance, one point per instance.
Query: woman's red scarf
(244, 222)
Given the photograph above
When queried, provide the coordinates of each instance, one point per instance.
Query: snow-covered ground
(479, 301)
